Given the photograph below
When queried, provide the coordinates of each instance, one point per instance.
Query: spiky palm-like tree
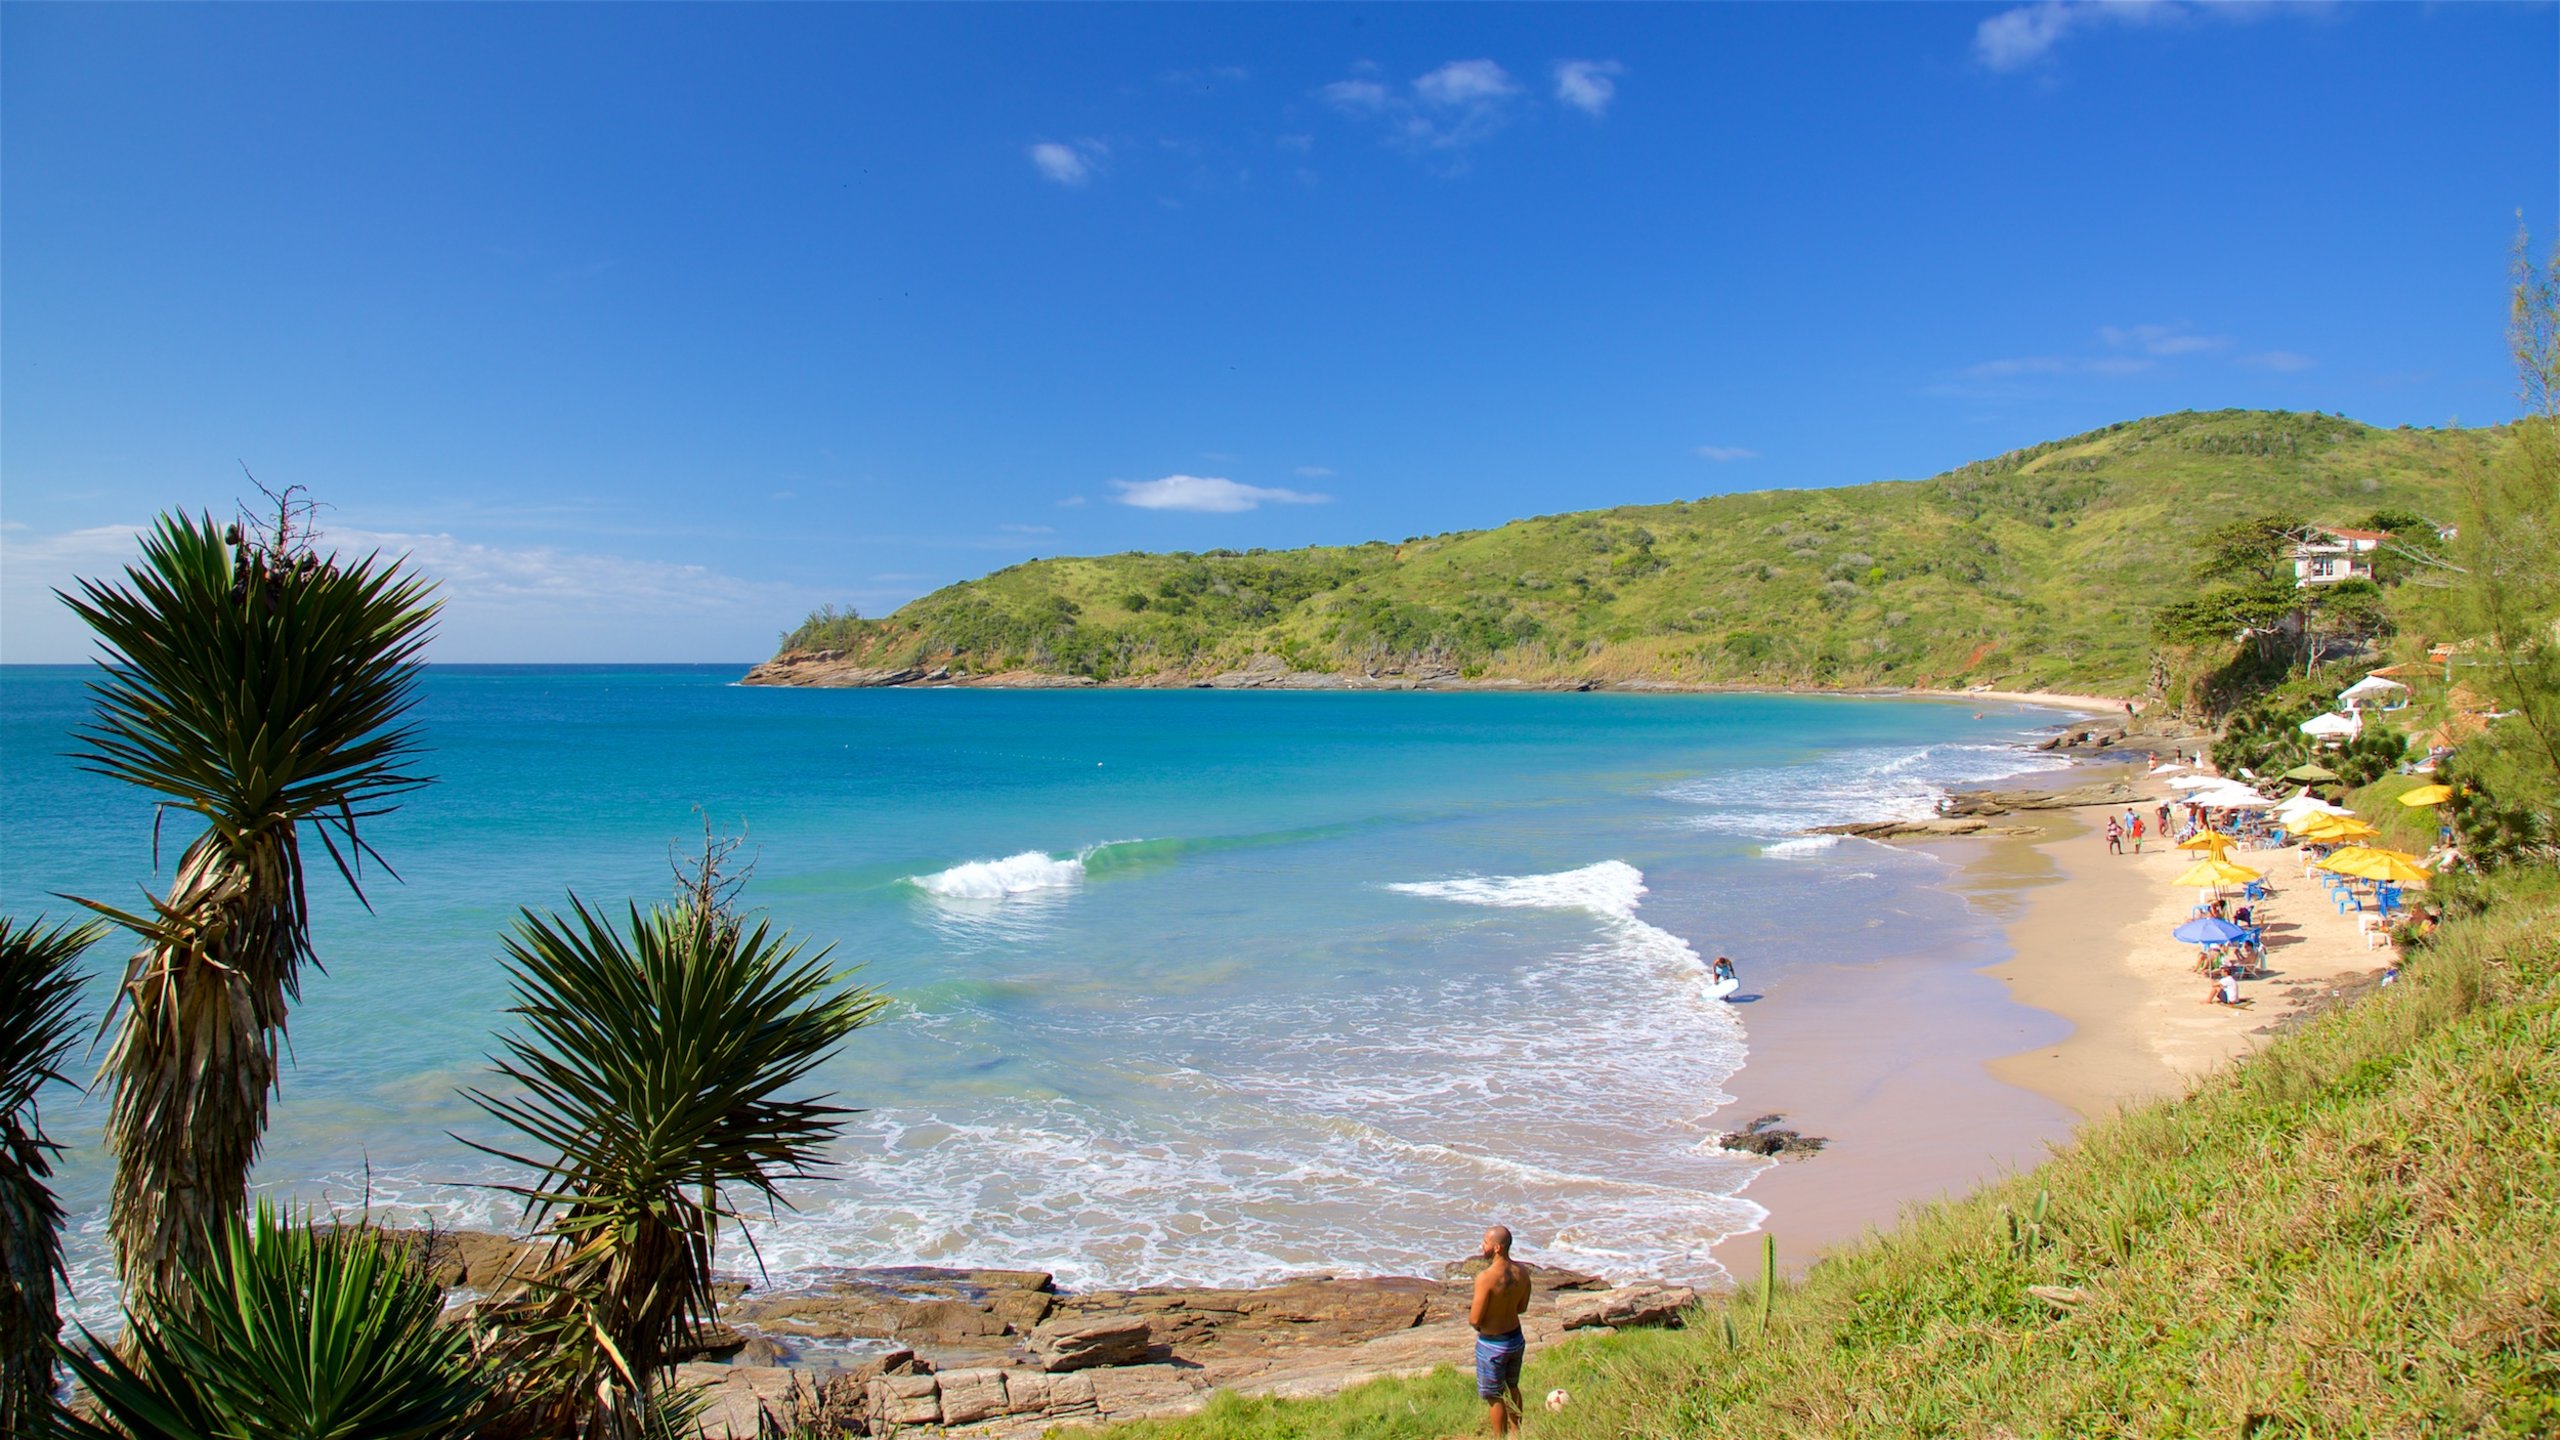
(649, 1079)
(38, 991)
(292, 1332)
(262, 688)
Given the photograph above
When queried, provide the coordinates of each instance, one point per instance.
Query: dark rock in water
(762, 1350)
(1063, 1345)
(1764, 1136)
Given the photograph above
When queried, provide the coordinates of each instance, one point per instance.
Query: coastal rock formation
(1936, 828)
(1003, 1353)
(1074, 1344)
(1765, 1136)
(2114, 791)
(1643, 1304)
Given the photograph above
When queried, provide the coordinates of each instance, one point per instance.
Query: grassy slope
(2356, 1233)
(2036, 569)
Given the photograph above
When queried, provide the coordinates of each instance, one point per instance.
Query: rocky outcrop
(1083, 1344)
(2112, 791)
(1935, 828)
(1766, 1136)
(1643, 1304)
(1003, 1353)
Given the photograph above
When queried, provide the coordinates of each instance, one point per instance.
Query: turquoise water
(1191, 986)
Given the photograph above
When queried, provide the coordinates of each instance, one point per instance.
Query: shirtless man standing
(1502, 1292)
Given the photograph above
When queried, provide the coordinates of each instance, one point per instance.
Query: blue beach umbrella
(2208, 931)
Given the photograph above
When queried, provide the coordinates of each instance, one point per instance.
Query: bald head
(1497, 1241)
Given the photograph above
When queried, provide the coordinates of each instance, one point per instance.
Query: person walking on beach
(2115, 836)
(1502, 1292)
(2135, 830)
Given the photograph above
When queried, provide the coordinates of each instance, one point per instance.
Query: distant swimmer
(1502, 1292)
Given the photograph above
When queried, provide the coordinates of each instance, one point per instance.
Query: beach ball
(1557, 1399)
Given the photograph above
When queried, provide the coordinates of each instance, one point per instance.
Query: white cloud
(1465, 82)
(500, 603)
(1726, 454)
(2015, 39)
(1588, 85)
(1314, 472)
(1206, 494)
(1356, 97)
(2025, 36)
(1068, 165)
(2160, 339)
(2286, 361)
(1444, 111)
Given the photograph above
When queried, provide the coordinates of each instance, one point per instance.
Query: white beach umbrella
(2232, 800)
(2195, 782)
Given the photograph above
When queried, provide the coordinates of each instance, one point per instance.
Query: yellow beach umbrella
(2427, 795)
(2334, 827)
(2213, 842)
(2367, 863)
(2214, 872)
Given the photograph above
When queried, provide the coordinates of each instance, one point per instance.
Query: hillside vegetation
(2041, 568)
(2351, 1234)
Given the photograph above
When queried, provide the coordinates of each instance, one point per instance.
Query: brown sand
(2096, 950)
(1930, 1080)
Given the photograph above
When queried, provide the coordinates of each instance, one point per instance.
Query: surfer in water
(1722, 972)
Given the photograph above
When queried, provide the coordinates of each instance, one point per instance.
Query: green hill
(2038, 569)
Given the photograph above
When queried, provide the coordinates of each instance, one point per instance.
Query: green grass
(2038, 569)
(2355, 1233)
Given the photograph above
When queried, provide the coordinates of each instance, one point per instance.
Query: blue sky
(649, 328)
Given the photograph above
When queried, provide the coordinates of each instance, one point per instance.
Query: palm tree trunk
(28, 1255)
(195, 1059)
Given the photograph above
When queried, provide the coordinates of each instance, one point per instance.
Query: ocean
(1190, 986)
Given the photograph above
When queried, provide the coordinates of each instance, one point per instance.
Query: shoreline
(2087, 935)
(781, 674)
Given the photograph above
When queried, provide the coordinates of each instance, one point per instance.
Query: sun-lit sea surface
(1191, 986)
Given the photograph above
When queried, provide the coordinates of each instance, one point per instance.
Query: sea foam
(1028, 873)
(1896, 782)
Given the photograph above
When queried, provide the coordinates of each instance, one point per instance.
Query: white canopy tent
(2303, 802)
(2379, 691)
(2234, 798)
(2332, 725)
(2196, 782)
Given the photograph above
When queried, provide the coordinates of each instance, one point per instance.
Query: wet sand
(1931, 1078)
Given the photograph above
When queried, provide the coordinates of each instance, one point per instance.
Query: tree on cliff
(262, 687)
(2504, 595)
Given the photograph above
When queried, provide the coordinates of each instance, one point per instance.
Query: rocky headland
(1005, 1353)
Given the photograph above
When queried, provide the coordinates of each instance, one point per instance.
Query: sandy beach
(1928, 1083)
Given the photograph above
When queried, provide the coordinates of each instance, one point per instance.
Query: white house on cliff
(2325, 556)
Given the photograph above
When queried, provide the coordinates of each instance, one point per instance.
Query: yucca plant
(38, 991)
(650, 1079)
(262, 688)
(292, 1332)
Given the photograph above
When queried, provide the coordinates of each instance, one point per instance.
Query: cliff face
(2040, 569)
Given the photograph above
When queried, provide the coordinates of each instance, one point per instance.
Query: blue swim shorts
(1498, 1360)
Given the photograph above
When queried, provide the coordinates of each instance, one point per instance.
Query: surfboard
(1717, 990)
